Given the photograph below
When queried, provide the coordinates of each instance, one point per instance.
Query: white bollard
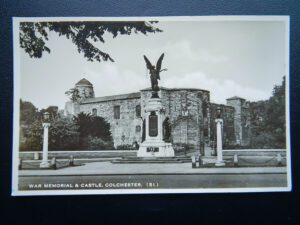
(20, 163)
(235, 160)
(197, 161)
(200, 161)
(71, 161)
(53, 163)
(193, 161)
(36, 156)
(279, 159)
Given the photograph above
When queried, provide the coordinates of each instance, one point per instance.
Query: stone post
(71, 161)
(279, 159)
(45, 163)
(193, 161)
(220, 161)
(20, 164)
(235, 160)
(36, 156)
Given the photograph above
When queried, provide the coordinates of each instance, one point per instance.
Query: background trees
(94, 132)
(268, 122)
(82, 132)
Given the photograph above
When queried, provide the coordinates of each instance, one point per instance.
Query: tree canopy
(268, 120)
(34, 35)
(65, 133)
(92, 130)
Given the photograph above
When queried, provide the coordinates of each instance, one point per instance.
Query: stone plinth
(154, 146)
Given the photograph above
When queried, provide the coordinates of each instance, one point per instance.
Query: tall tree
(28, 112)
(63, 134)
(34, 35)
(91, 128)
(268, 120)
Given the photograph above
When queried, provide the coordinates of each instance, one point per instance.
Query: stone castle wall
(241, 120)
(190, 113)
(124, 130)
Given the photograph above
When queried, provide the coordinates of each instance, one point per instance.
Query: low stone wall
(79, 154)
(255, 152)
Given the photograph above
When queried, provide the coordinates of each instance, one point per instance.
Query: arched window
(138, 128)
(94, 112)
(138, 111)
(116, 112)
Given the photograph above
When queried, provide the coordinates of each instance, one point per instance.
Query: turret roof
(235, 98)
(84, 82)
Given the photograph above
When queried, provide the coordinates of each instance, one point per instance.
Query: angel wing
(148, 63)
(158, 64)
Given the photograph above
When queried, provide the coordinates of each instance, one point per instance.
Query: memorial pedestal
(154, 146)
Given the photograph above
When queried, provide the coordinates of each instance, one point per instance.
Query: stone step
(144, 161)
(152, 160)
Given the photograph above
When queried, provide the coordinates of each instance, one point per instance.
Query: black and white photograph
(126, 105)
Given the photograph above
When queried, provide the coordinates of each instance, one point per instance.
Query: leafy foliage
(34, 35)
(28, 112)
(81, 132)
(73, 94)
(32, 135)
(63, 134)
(268, 120)
(98, 143)
(90, 127)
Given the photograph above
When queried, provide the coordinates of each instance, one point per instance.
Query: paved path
(108, 168)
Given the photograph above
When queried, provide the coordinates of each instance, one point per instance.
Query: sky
(227, 58)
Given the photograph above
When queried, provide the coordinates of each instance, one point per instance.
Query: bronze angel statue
(154, 74)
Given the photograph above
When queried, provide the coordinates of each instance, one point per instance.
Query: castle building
(189, 111)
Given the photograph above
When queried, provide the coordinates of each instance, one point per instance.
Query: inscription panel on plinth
(152, 149)
(153, 125)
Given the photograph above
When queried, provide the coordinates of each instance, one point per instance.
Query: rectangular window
(138, 111)
(94, 112)
(117, 112)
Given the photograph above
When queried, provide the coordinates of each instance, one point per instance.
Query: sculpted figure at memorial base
(167, 130)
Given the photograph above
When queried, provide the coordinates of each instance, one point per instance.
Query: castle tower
(237, 103)
(85, 89)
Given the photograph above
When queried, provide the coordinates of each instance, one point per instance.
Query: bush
(96, 143)
(181, 147)
(263, 140)
(126, 147)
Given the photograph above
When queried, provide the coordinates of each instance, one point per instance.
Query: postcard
(130, 105)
